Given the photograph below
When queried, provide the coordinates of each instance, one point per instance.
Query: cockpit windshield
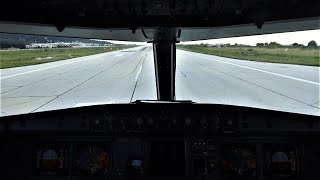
(276, 71)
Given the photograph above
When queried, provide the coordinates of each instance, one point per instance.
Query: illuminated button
(212, 165)
(109, 120)
(203, 121)
(139, 121)
(150, 121)
(205, 152)
(188, 121)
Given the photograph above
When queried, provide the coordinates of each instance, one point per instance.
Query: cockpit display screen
(136, 167)
(281, 160)
(51, 159)
(239, 160)
(91, 160)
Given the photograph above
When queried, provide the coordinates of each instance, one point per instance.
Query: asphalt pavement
(128, 75)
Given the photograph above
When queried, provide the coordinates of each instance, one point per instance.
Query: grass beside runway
(17, 58)
(301, 56)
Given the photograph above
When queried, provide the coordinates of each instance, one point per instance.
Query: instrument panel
(160, 141)
(174, 119)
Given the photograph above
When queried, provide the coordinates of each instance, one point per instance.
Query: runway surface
(128, 75)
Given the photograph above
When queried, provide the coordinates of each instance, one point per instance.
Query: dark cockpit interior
(162, 138)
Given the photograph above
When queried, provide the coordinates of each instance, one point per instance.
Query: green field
(16, 58)
(286, 55)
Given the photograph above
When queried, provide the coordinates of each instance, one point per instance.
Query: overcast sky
(301, 37)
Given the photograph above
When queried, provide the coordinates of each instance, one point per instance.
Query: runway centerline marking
(118, 55)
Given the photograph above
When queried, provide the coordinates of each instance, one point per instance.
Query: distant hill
(28, 39)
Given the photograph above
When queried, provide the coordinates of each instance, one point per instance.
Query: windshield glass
(276, 71)
(42, 73)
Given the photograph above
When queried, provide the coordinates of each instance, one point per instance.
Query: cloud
(301, 37)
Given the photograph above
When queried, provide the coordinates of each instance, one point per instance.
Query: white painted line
(138, 74)
(40, 69)
(95, 55)
(260, 70)
(118, 55)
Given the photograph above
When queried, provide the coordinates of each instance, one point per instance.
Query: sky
(301, 37)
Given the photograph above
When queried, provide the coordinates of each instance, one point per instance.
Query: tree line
(311, 44)
(12, 44)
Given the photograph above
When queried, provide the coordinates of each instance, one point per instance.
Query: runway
(128, 75)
